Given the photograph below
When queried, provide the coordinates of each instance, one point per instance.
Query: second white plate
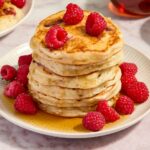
(27, 11)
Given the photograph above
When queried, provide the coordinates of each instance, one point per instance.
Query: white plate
(27, 11)
(131, 55)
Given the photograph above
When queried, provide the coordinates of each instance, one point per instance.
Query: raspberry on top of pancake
(81, 48)
(79, 39)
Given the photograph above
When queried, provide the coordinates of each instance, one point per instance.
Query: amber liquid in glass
(131, 7)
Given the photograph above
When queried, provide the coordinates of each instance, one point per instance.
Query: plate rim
(60, 134)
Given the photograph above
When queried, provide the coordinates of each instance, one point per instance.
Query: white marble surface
(136, 33)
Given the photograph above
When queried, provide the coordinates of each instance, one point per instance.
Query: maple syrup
(53, 123)
(135, 8)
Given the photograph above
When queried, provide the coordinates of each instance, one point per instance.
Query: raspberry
(56, 37)
(124, 105)
(138, 92)
(128, 68)
(93, 121)
(108, 112)
(127, 79)
(13, 89)
(8, 72)
(95, 24)
(74, 14)
(19, 3)
(25, 60)
(24, 104)
(22, 74)
(1, 3)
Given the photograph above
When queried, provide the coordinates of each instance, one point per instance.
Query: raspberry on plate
(93, 121)
(127, 79)
(22, 73)
(108, 112)
(24, 104)
(25, 60)
(95, 24)
(2, 3)
(13, 89)
(8, 72)
(56, 37)
(128, 68)
(138, 92)
(19, 3)
(74, 14)
(124, 105)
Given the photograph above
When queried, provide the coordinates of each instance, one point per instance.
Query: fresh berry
(22, 74)
(74, 14)
(24, 104)
(124, 105)
(19, 3)
(8, 72)
(93, 121)
(108, 112)
(25, 60)
(13, 89)
(127, 79)
(128, 68)
(138, 92)
(56, 37)
(2, 3)
(95, 24)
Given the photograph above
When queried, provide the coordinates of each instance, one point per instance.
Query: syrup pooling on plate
(49, 122)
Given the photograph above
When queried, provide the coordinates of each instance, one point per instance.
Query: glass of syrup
(130, 8)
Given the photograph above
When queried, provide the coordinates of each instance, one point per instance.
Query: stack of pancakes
(71, 80)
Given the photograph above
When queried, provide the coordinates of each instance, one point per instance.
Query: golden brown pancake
(93, 80)
(72, 111)
(81, 48)
(106, 94)
(77, 70)
(68, 93)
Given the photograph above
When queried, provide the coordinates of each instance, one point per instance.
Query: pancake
(67, 93)
(71, 111)
(81, 48)
(9, 15)
(76, 70)
(66, 112)
(38, 73)
(108, 93)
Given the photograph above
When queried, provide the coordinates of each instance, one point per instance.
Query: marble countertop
(136, 34)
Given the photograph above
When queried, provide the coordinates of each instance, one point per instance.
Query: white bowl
(27, 11)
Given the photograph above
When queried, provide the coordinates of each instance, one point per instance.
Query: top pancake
(81, 48)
